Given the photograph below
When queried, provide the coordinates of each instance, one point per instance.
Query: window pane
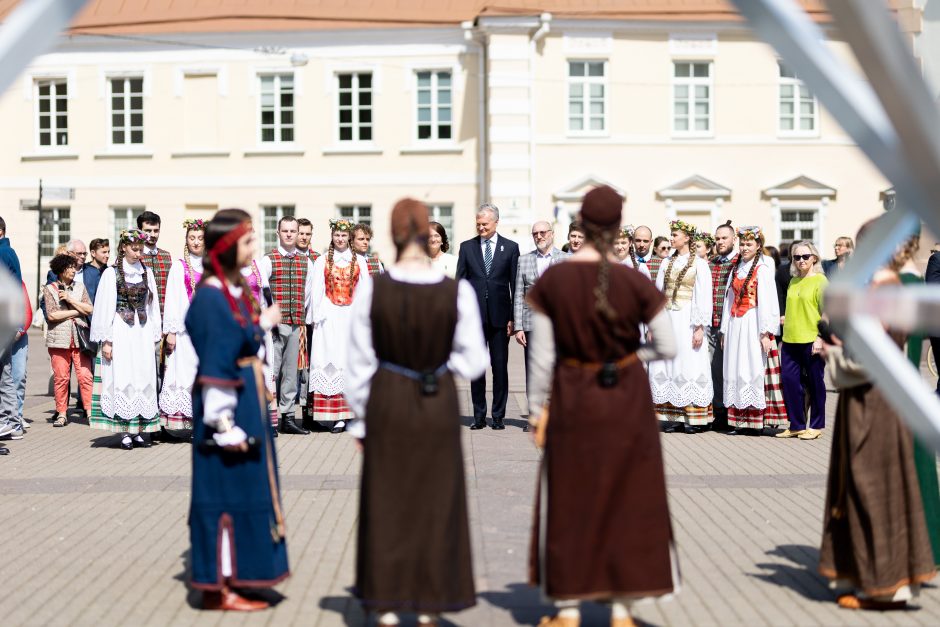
(424, 79)
(267, 83)
(786, 124)
(575, 69)
(424, 97)
(61, 105)
(61, 121)
(287, 82)
(701, 92)
(44, 89)
(576, 123)
(597, 108)
(787, 234)
(345, 133)
(701, 108)
(365, 81)
(804, 92)
(682, 70)
(287, 100)
(443, 115)
(45, 139)
(137, 103)
(786, 91)
(681, 108)
(443, 131)
(424, 114)
(117, 137)
(788, 216)
(365, 99)
(806, 108)
(424, 131)
(44, 106)
(287, 117)
(137, 119)
(345, 116)
(45, 122)
(137, 137)
(267, 134)
(576, 107)
(345, 81)
(701, 124)
(681, 124)
(681, 91)
(443, 97)
(785, 72)
(786, 108)
(576, 90)
(365, 133)
(137, 85)
(597, 124)
(287, 134)
(443, 79)
(117, 86)
(595, 69)
(62, 138)
(702, 70)
(267, 118)
(117, 104)
(597, 91)
(807, 216)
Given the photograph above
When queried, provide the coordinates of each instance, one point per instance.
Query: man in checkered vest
(304, 235)
(361, 238)
(290, 275)
(643, 243)
(720, 265)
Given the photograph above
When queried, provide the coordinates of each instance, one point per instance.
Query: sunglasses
(802, 257)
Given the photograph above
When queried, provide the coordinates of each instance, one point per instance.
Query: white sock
(620, 608)
(340, 424)
(388, 618)
(426, 618)
(570, 612)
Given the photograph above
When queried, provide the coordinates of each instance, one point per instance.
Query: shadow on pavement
(194, 597)
(799, 574)
(112, 440)
(527, 606)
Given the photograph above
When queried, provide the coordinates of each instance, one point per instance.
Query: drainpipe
(472, 35)
(545, 25)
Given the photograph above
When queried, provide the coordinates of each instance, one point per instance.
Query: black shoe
(525, 427)
(307, 422)
(498, 424)
(273, 432)
(289, 426)
(478, 423)
(126, 443)
(141, 441)
(4, 450)
(745, 431)
(338, 427)
(668, 427)
(690, 429)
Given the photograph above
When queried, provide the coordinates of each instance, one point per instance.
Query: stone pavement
(97, 536)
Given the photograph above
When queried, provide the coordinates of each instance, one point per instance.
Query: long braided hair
(347, 226)
(678, 225)
(192, 225)
(133, 236)
(603, 241)
(745, 233)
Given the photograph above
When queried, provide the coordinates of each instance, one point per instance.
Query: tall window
(355, 106)
(587, 94)
(52, 112)
(797, 225)
(124, 218)
(277, 108)
(797, 115)
(435, 107)
(271, 215)
(692, 98)
(54, 230)
(357, 214)
(127, 111)
(443, 214)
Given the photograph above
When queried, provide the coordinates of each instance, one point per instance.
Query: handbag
(83, 333)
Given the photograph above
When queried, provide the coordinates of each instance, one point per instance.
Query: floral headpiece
(197, 224)
(685, 227)
(704, 236)
(133, 236)
(341, 224)
(627, 231)
(750, 232)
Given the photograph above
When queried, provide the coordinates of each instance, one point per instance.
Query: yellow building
(340, 110)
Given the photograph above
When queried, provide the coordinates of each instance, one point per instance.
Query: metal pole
(39, 244)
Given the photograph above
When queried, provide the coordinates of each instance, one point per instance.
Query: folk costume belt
(608, 372)
(428, 379)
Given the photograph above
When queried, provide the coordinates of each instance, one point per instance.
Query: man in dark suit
(489, 262)
(932, 277)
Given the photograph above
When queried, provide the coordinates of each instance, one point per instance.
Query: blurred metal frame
(894, 120)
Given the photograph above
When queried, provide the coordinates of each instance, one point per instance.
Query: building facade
(683, 111)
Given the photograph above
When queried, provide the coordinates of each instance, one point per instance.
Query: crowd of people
(697, 331)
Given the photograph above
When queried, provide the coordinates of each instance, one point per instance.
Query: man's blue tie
(488, 256)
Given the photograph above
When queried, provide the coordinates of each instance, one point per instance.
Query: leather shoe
(668, 427)
(478, 423)
(690, 429)
(525, 427)
(4, 450)
(498, 424)
(229, 601)
(288, 426)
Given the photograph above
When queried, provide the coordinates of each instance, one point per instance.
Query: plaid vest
(720, 271)
(653, 265)
(375, 266)
(160, 265)
(288, 285)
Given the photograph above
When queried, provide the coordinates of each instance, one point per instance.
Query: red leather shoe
(229, 601)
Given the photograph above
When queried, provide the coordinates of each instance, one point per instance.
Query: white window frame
(586, 82)
(354, 107)
(434, 215)
(797, 85)
(692, 82)
(58, 237)
(356, 212)
(817, 208)
(435, 105)
(130, 211)
(128, 128)
(278, 127)
(280, 210)
(53, 129)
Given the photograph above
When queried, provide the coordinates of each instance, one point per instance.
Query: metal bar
(29, 31)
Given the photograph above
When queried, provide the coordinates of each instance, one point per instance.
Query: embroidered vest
(374, 265)
(254, 283)
(288, 283)
(190, 278)
(684, 293)
(131, 299)
(340, 284)
(160, 265)
(745, 297)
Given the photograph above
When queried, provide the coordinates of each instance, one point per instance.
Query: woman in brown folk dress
(612, 542)
(413, 330)
(875, 550)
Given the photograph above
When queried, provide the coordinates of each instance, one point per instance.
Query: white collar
(151, 250)
(196, 263)
(136, 270)
(493, 239)
(346, 255)
(285, 253)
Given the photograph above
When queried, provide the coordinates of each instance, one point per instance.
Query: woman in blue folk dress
(236, 518)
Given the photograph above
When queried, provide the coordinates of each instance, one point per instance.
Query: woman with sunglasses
(800, 350)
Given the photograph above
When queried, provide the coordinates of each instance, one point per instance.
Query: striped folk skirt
(775, 413)
(691, 415)
(116, 424)
(329, 408)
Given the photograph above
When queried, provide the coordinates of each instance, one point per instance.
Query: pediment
(575, 191)
(800, 187)
(695, 187)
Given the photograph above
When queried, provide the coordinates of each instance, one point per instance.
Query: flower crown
(195, 223)
(681, 225)
(704, 236)
(134, 236)
(750, 232)
(341, 224)
(627, 231)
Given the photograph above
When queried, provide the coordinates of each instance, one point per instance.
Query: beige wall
(202, 149)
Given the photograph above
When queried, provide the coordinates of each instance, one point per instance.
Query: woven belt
(412, 374)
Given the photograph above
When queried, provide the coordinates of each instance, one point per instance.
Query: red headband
(224, 244)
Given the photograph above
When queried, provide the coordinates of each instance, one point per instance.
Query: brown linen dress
(414, 535)
(602, 526)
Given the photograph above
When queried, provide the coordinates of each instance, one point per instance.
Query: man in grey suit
(531, 266)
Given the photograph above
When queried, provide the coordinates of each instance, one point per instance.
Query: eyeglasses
(540, 233)
(802, 257)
